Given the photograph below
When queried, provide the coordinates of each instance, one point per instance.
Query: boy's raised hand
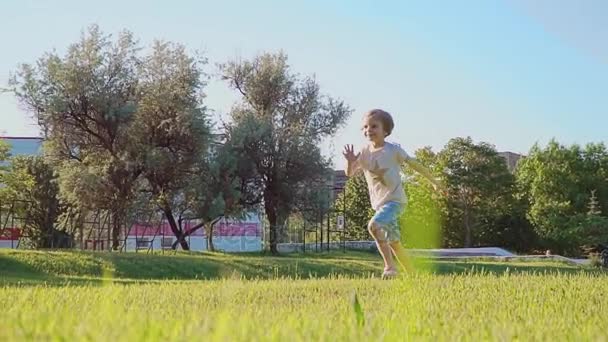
(349, 153)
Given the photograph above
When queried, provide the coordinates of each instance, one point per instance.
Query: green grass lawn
(61, 267)
(69, 296)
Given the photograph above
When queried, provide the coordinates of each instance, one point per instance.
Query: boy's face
(373, 129)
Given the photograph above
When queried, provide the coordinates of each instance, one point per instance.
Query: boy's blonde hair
(387, 120)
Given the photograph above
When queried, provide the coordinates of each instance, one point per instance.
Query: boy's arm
(404, 157)
(351, 168)
(418, 167)
(426, 173)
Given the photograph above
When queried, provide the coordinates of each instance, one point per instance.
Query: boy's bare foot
(389, 274)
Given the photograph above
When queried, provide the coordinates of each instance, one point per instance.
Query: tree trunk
(209, 231)
(115, 228)
(181, 236)
(467, 227)
(46, 232)
(116, 238)
(271, 214)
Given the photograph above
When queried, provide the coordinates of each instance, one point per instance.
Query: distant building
(511, 159)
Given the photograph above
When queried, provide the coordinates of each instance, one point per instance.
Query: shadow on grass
(53, 268)
(13, 270)
(78, 268)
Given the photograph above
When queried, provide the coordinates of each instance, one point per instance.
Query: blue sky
(509, 72)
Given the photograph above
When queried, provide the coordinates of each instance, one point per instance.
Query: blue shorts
(387, 218)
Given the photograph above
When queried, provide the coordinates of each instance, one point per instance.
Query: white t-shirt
(382, 170)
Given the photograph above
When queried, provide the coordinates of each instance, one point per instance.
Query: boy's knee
(373, 229)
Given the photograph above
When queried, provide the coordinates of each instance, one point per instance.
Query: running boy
(381, 162)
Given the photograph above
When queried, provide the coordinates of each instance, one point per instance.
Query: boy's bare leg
(383, 247)
(385, 251)
(401, 256)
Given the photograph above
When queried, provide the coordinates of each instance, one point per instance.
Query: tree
(171, 129)
(119, 123)
(219, 189)
(85, 102)
(5, 149)
(279, 123)
(592, 227)
(355, 200)
(480, 194)
(556, 182)
(33, 183)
